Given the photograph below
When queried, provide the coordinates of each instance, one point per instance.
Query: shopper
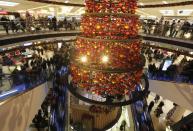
(172, 28)
(165, 28)
(177, 28)
(18, 24)
(150, 106)
(156, 99)
(54, 23)
(185, 28)
(5, 23)
(159, 109)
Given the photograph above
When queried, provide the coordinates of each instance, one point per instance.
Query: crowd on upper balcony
(170, 28)
(170, 66)
(31, 24)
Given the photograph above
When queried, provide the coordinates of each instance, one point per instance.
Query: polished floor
(127, 116)
(158, 123)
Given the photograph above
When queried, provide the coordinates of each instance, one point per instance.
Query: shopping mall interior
(96, 65)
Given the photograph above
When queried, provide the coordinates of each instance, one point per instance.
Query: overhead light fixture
(6, 3)
(66, 1)
(165, 2)
(141, 3)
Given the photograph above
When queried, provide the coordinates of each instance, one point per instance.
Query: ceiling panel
(27, 5)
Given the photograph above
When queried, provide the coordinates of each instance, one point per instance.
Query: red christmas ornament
(107, 56)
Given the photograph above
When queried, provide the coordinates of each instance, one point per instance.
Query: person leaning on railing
(185, 28)
(5, 22)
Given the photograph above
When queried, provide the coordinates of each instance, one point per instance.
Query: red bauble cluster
(112, 6)
(105, 83)
(110, 30)
(124, 55)
(114, 27)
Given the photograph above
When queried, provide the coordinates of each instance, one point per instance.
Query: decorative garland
(139, 6)
(57, 3)
(167, 5)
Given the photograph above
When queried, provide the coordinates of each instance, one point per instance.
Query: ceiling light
(165, 2)
(141, 3)
(6, 3)
(83, 59)
(66, 1)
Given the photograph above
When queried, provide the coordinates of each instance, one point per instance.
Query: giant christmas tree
(107, 58)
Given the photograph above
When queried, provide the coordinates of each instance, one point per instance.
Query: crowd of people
(32, 24)
(31, 71)
(44, 60)
(166, 65)
(169, 28)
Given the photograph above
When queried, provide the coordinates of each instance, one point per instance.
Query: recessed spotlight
(66, 1)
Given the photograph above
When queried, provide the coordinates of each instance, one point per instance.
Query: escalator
(20, 101)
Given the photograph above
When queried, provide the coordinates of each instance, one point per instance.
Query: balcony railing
(19, 82)
(178, 31)
(15, 27)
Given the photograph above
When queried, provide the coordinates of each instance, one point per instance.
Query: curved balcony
(161, 83)
(44, 29)
(53, 35)
(161, 75)
(99, 121)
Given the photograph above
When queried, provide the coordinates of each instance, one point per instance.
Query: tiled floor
(158, 123)
(124, 116)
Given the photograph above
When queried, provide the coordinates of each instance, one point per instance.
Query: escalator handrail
(13, 91)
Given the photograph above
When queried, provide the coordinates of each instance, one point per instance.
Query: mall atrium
(96, 65)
